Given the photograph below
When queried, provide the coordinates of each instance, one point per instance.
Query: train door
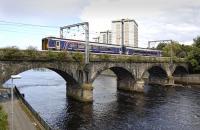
(44, 44)
(57, 45)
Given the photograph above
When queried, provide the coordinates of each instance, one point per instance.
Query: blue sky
(157, 19)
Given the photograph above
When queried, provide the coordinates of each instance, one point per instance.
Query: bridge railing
(26, 55)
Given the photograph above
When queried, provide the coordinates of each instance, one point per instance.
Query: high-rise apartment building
(105, 37)
(128, 28)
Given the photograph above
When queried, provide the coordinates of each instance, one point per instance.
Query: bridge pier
(83, 93)
(139, 86)
(160, 81)
(170, 80)
(131, 85)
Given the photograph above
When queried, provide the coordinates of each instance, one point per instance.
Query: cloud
(41, 7)
(42, 12)
(157, 19)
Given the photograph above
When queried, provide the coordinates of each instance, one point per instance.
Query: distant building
(105, 37)
(130, 32)
(96, 39)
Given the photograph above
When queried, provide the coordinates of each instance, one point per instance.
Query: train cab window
(57, 43)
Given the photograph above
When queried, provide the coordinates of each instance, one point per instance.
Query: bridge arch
(14, 69)
(155, 74)
(180, 71)
(117, 70)
(125, 78)
(69, 79)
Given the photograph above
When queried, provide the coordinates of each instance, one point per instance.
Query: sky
(157, 19)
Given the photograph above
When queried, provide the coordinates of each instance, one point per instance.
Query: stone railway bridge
(79, 77)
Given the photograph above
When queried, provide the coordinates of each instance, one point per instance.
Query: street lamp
(12, 78)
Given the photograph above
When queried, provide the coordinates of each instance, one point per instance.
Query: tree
(174, 46)
(161, 46)
(197, 41)
(185, 49)
(194, 55)
(194, 59)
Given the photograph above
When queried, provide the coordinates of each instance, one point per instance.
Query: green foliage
(78, 56)
(197, 41)
(194, 55)
(52, 55)
(3, 120)
(194, 59)
(174, 48)
(62, 56)
(104, 57)
(11, 53)
(32, 52)
(161, 46)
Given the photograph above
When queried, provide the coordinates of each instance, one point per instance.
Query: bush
(31, 52)
(105, 57)
(11, 53)
(51, 55)
(3, 120)
(77, 56)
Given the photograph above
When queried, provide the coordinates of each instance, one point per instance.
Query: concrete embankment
(21, 120)
(192, 79)
(32, 112)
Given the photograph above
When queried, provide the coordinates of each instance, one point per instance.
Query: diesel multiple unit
(53, 43)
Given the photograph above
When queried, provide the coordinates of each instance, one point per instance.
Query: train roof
(73, 40)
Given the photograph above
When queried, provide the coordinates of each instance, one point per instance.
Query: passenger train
(53, 43)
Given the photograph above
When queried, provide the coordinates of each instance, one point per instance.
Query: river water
(158, 108)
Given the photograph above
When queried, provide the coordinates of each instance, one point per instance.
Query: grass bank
(3, 119)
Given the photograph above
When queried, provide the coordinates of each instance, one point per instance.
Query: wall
(35, 114)
(192, 79)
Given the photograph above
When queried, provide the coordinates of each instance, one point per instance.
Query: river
(159, 108)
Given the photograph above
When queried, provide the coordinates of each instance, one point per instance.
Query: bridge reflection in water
(158, 108)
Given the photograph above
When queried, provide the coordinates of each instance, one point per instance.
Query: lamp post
(12, 78)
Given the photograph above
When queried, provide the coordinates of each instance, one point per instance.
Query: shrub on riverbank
(3, 119)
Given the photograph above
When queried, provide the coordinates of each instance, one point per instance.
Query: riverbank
(22, 118)
(38, 120)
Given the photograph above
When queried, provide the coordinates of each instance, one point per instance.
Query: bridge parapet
(8, 54)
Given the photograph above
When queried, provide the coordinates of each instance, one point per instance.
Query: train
(59, 44)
